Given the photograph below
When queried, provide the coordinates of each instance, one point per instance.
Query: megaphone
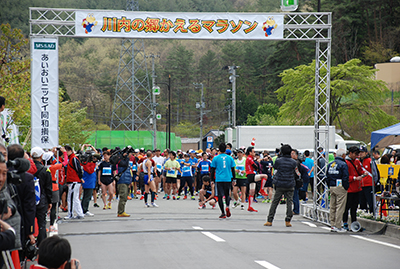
(355, 226)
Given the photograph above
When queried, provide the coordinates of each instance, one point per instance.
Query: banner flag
(44, 92)
(174, 25)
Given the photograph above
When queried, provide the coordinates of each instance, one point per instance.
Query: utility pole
(201, 105)
(154, 104)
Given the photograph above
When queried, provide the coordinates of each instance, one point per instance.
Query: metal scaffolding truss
(297, 26)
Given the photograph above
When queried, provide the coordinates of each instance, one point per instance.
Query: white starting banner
(173, 25)
(44, 92)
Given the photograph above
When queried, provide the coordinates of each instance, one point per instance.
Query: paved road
(178, 235)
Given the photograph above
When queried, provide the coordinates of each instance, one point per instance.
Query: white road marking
(267, 265)
(310, 224)
(197, 228)
(326, 228)
(213, 236)
(375, 241)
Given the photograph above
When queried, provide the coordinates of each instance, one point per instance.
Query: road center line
(375, 241)
(197, 228)
(267, 265)
(309, 224)
(213, 236)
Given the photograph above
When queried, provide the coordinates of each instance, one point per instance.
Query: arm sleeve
(78, 167)
(7, 240)
(65, 161)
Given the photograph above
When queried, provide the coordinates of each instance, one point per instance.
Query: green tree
(355, 96)
(15, 76)
(266, 114)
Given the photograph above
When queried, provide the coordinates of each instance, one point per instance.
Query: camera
(86, 157)
(68, 265)
(15, 168)
(4, 205)
(119, 154)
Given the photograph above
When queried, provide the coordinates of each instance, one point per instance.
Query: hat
(192, 151)
(200, 151)
(354, 149)
(36, 152)
(363, 149)
(97, 156)
(136, 150)
(228, 151)
(47, 156)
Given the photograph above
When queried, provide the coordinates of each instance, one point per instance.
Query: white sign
(210, 139)
(44, 92)
(156, 90)
(174, 25)
(158, 116)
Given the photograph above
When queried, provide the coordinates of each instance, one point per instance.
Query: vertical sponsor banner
(44, 92)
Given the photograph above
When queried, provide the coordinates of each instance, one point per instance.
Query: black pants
(352, 204)
(189, 181)
(41, 212)
(223, 190)
(366, 199)
(87, 195)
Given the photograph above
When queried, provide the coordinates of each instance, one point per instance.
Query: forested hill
(368, 30)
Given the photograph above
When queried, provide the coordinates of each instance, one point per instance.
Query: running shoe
(334, 229)
(193, 198)
(123, 215)
(53, 229)
(346, 226)
(68, 218)
(185, 197)
(202, 206)
(228, 212)
(263, 193)
(96, 205)
(88, 214)
(129, 198)
(235, 204)
(105, 207)
(109, 206)
(242, 207)
(165, 197)
(260, 197)
(154, 205)
(213, 207)
(132, 195)
(341, 230)
(146, 205)
(168, 197)
(173, 197)
(141, 198)
(250, 209)
(268, 200)
(223, 216)
(178, 197)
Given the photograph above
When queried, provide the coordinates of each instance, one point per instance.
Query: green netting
(136, 139)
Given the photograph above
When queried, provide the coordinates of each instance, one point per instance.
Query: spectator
(377, 156)
(284, 183)
(353, 193)
(26, 193)
(366, 194)
(7, 235)
(125, 179)
(54, 253)
(89, 177)
(46, 192)
(337, 177)
(74, 181)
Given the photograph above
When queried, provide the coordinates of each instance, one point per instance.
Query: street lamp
(169, 110)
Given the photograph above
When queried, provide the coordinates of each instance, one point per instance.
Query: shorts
(106, 180)
(147, 180)
(170, 180)
(241, 182)
(158, 173)
(208, 194)
(250, 178)
(269, 182)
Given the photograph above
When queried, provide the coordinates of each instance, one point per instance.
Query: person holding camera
(26, 194)
(55, 253)
(44, 199)
(74, 181)
(124, 179)
(89, 176)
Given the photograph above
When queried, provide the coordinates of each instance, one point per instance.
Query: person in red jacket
(366, 194)
(356, 175)
(74, 181)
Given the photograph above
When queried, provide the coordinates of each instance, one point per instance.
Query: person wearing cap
(337, 179)
(366, 194)
(46, 192)
(74, 182)
(356, 175)
(240, 180)
(159, 164)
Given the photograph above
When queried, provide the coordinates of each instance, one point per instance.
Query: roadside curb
(379, 227)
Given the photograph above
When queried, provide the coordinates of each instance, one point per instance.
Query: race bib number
(106, 171)
(186, 169)
(130, 163)
(171, 172)
(204, 168)
(134, 168)
(159, 167)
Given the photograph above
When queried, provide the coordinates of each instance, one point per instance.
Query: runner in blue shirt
(203, 169)
(222, 171)
(187, 177)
